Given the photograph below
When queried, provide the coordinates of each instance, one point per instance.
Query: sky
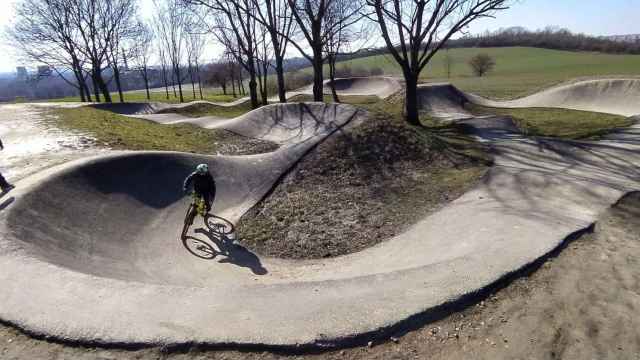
(594, 17)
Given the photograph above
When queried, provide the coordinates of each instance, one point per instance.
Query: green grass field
(519, 70)
(563, 123)
(214, 95)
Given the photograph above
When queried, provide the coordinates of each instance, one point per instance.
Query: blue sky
(596, 17)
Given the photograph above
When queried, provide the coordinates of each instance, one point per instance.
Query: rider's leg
(208, 200)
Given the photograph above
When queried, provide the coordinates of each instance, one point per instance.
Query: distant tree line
(91, 39)
(549, 38)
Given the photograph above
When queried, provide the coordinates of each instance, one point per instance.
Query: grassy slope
(564, 123)
(519, 70)
(120, 132)
(200, 109)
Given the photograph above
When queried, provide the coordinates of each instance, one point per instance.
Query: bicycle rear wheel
(219, 225)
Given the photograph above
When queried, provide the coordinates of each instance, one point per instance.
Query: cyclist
(4, 185)
(203, 184)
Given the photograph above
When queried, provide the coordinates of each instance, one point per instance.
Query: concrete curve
(615, 96)
(381, 86)
(539, 192)
(442, 101)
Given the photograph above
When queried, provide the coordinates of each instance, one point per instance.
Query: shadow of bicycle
(221, 235)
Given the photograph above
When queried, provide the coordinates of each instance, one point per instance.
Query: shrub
(481, 64)
(376, 71)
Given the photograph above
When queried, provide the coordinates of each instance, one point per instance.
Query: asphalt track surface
(91, 251)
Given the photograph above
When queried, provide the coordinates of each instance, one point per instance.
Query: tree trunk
(199, 81)
(79, 79)
(116, 75)
(82, 97)
(145, 75)
(265, 95)
(101, 85)
(173, 83)
(164, 78)
(332, 78)
(282, 91)
(83, 83)
(96, 90)
(411, 99)
(193, 85)
(253, 90)
(224, 87)
(177, 70)
(318, 86)
(233, 85)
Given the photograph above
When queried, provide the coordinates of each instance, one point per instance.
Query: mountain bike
(219, 228)
(197, 206)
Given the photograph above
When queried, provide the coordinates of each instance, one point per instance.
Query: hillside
(519, 70)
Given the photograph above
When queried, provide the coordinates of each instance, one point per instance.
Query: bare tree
(217, 74)
(119, 43)
(42, 33)
(339, 42)
(264, 53)
(233, 23)
(170, 21)
(276, 17)
(310, 16)
(481, 64)
(415, 30)
(195, 48)
(163, 67)
(141, 54)
(99, 24)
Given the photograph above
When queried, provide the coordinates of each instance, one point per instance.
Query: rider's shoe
(8, 188)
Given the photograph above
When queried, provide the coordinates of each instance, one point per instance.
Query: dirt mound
(362, 186)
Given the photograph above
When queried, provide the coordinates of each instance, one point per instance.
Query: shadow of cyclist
(234, 253)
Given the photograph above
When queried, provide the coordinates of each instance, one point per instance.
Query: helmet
(202, 168)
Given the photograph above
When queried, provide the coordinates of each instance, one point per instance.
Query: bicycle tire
(188, 220)
(225, 227)
(199, 248)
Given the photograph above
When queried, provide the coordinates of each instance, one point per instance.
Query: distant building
(44, 70)
(21, 73)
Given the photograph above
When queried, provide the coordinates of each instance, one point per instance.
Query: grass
(563, 123)
(213, 95)
(203, 109)
(199, 110)
(125, 133)
(345, 99)
(519, 71)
